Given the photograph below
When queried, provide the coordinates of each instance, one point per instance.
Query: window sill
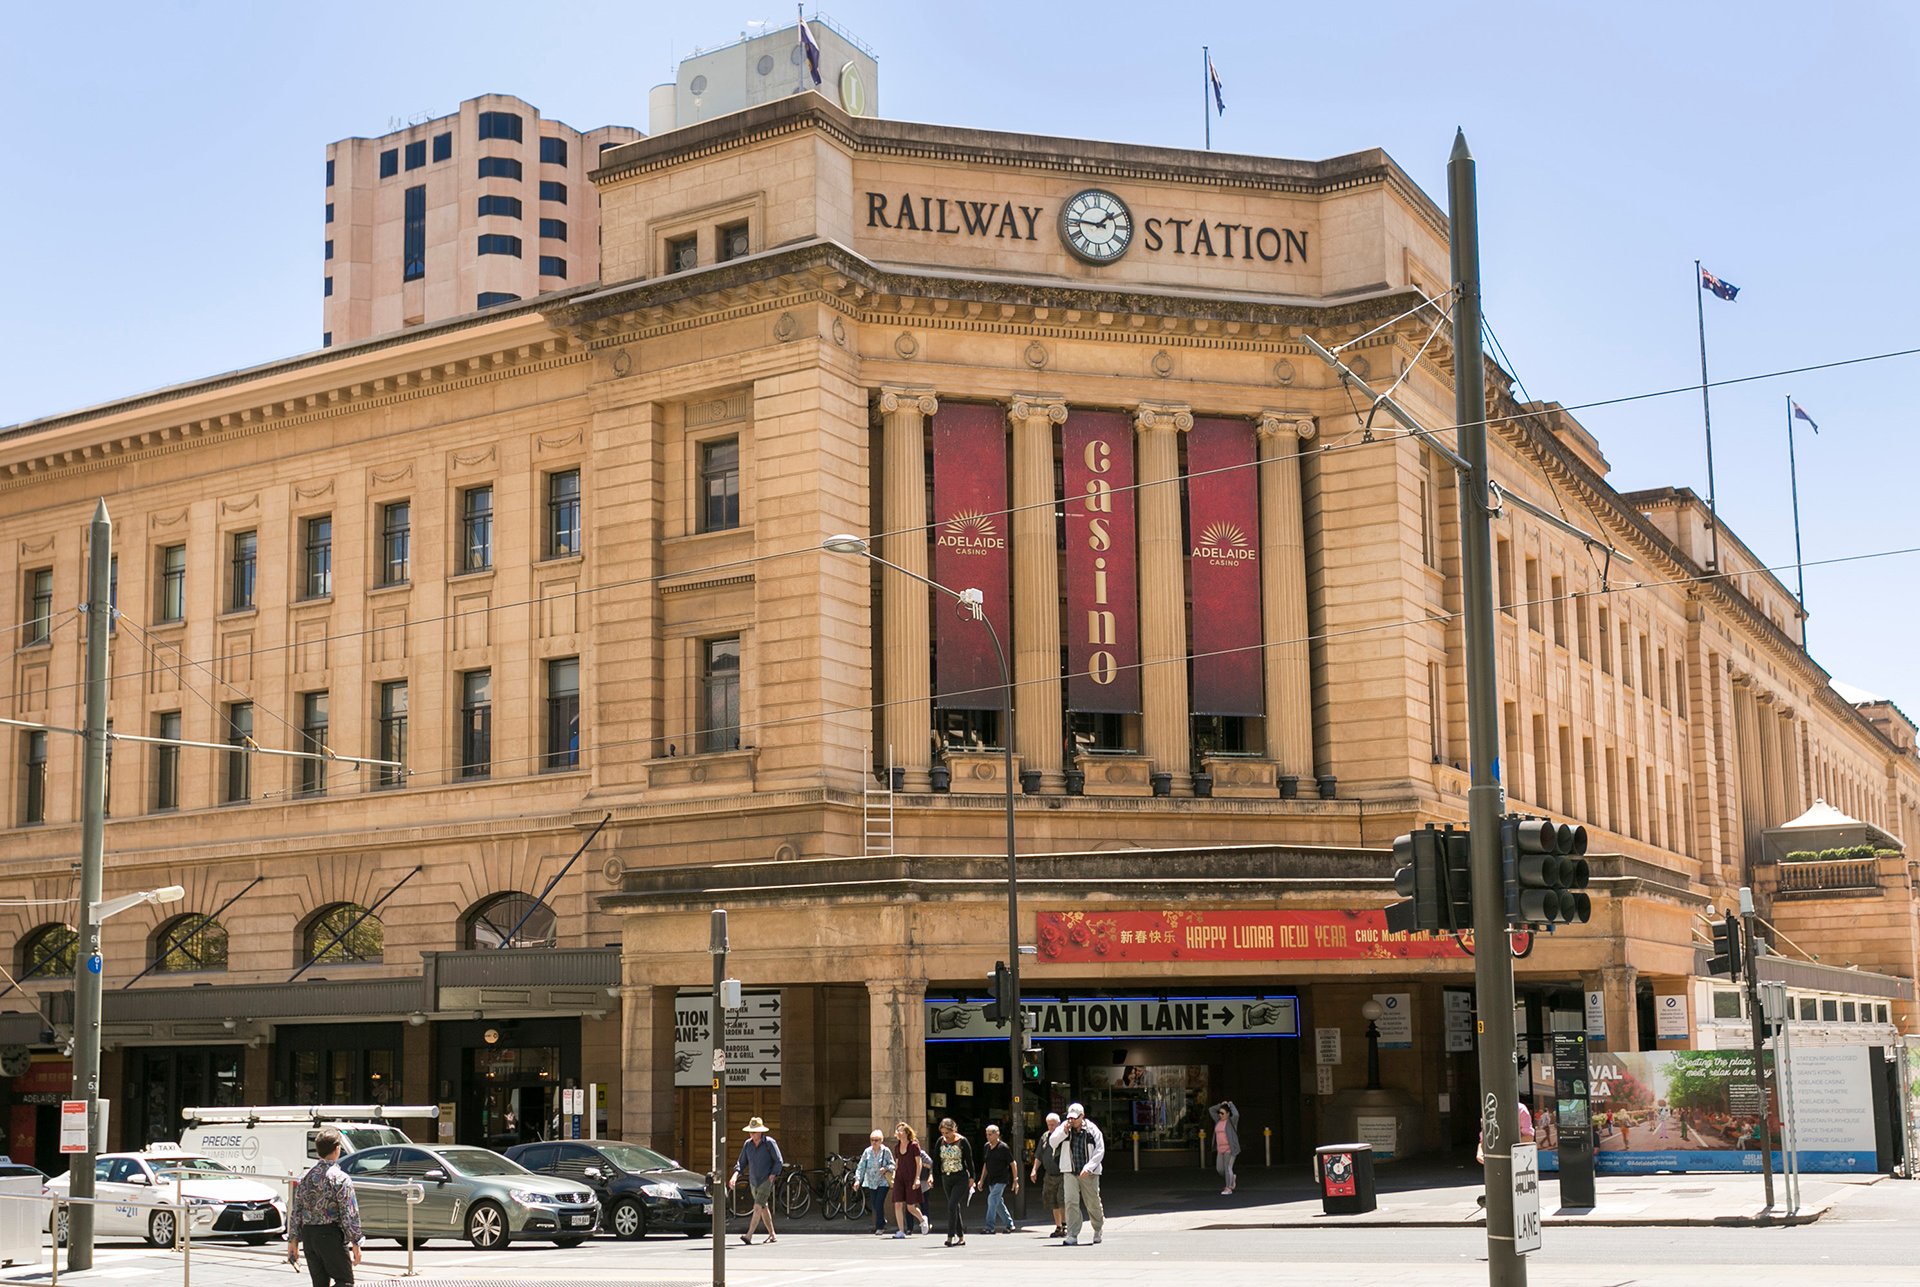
(713, 534)
(556, 560)
(313, 601)
(239, 614)
(396, 588)
(175, 623)
(473, 574)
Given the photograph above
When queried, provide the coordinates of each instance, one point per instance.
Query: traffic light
(1033, 1063)
(1000, 1006)
(1435, 882)
(1544, 872)
(1726, 947)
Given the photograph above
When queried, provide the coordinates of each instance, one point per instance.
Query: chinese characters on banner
(970, 525)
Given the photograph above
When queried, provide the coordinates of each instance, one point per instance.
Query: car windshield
(479, 1161)
(631, 1157)
(172, 1168)
(360, 1137)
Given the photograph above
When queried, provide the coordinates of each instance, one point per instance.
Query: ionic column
(1036, 588)
(897, 1040)
(1166, 723)
(906, 688)
(1771, 769)
(1283, 594)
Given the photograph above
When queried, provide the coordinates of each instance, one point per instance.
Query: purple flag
(813, 50)
(1219, 90)
(1800, 413)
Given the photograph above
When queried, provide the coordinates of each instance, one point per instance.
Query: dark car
(640, 1191)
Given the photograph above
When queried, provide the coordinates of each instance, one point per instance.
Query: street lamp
(973, 604)
(86, 1049)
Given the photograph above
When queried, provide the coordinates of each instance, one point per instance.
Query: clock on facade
(1097, 226)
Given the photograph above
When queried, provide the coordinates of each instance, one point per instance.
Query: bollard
(183, 1229)
(53, 1232)
(1202, 1139)
(1136, 1150)
(416, 1194)
(1267, 1131)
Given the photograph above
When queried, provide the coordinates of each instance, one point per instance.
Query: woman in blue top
(874, 1176)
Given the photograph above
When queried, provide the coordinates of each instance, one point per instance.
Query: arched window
(491, 924)
(190, 942)
(48, 952)
(343, 934)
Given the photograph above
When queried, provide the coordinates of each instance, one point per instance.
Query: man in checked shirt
(326, 1217)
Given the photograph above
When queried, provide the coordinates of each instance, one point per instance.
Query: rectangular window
(413, 235)
(1541, 770)
(172, 605)
(552, 190)
(1626, 660)
(246, 554)
(494, 243)
(500, 125)
(1680, 686)
(1646, 671)
(731, 241)
(1503, 551)
(682, 253)
(1726, 1004)
(563, 514)
(720, 695)
(390, 163)
(442, 146)
(1613, 789)
(1566, 769)
(1436, 715)
(39, 605)
(1558, 591)
(1809, 1008)
(329, 212)
(328, 251)
(476, 523)
(391, 716)
(1829, 1010)
(553, 151)
(1665, 691)
(33, 777)
(329, 172)
(494, 204)
(499, 167)
(563, 713)
(313, 740)
(720, 485)
(476, 723)
(238, 786)
(416, 154)
(326, 288)
(326, 339)
(1606, 645)
(1581, 628)
(166, 763)
(491, 298)
(1848, 1012)
(316, 580)
(396, 543)
(1534, 613)
(552, 266)
(1591, 772)
(553, 229)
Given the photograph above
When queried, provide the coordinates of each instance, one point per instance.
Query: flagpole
(1706, 415)
(1206, 105)
(1799, 569)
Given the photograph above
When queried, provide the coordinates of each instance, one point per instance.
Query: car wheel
(487, 1226)
(63, 1223)
(160, 1228)
(627, 1220)
(570, 1241)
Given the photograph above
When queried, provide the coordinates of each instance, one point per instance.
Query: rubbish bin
(1345, 1172)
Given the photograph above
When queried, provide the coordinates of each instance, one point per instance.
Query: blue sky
(166, 192)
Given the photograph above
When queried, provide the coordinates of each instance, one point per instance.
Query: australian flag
(1219, 90)
(812, 47)
(1725, 290)
(1800, 413)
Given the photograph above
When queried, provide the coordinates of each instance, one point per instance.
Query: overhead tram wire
(1321, 450)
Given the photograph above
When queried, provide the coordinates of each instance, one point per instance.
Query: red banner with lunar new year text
(1333, 935)
(1223, 523)
(1103, 605)
(970, 526)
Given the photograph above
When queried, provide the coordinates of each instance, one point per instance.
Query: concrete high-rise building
(760, 69)
(484, 206)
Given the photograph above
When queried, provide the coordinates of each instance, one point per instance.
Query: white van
(276, 1143)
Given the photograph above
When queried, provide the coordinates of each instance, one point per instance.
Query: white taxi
(143, 1193)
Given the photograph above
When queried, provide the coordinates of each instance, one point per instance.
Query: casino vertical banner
(1103, 606)
(970, 524)
(1223, 523)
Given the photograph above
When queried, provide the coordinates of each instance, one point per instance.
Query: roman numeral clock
(1097, 226)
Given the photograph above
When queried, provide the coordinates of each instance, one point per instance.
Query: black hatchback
(640, 1191)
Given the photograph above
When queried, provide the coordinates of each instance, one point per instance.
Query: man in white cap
(760, 1164)
(1083, 1149)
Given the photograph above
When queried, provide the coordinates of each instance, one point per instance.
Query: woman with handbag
(874, 1177)
(909, 1178)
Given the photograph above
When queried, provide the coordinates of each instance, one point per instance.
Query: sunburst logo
(970, 532)
(1223, 544)
(969, 522)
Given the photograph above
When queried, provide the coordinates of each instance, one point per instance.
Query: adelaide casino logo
(970, 532)
(1224, 545)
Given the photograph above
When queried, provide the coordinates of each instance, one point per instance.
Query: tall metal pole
(1706, 416)
(1206, 88)
(1799, 570)
(1748, 915)
(1016, 1115)
(1493, 964)
(93, 826)
(717, 1026)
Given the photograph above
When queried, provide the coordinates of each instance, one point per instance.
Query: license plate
(580, 1221)
(253, 1215)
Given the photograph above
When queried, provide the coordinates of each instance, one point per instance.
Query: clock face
(1097, 226)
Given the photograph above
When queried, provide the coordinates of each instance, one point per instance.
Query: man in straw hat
(760, 1163)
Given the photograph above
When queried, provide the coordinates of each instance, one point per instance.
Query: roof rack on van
(318, 1114)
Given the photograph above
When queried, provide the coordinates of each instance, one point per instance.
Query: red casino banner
(970, 551)
(1103, 605)
(1223, 523)
(1329, 935)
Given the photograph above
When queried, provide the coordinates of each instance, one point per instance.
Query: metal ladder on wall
(877, 824)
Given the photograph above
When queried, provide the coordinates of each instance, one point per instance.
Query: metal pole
(1799, 569)
(1706, 416)
(93, 822)
(1747, 918)
(1206, 86)
(717, 1026)
(1493, 963)
(1016, 1116)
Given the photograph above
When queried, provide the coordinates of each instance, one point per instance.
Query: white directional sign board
(753, 1039)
